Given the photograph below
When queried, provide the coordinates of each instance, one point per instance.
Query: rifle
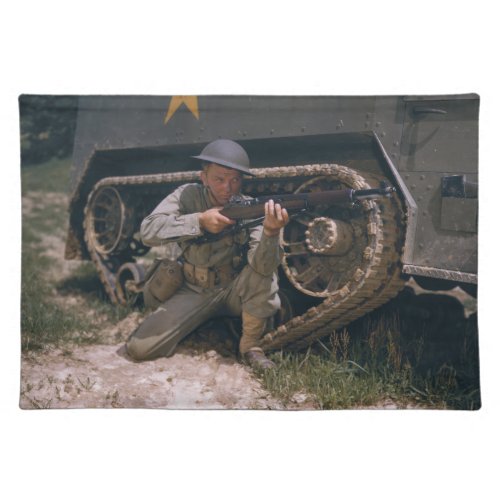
(241, 209)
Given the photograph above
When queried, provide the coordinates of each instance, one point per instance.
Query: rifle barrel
(251, 209)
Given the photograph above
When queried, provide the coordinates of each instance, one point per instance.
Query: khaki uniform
(236, 282)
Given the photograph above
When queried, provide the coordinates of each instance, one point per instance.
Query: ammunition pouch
(164, 278)
(209, 277)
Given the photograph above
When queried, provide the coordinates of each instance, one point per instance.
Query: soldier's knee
(136, 349)
(144, 349)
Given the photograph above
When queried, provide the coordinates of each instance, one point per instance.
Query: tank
(131, 151)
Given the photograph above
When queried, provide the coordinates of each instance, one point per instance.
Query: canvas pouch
(165, 278)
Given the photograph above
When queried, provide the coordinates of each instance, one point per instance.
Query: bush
(47, 126)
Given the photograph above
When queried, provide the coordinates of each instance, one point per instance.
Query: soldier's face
(222, 182)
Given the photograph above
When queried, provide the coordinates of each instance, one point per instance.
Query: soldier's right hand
(213, 221)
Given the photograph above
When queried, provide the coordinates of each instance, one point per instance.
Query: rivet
(382, 134)
(395, 143)
(422, 177)
(377, 124)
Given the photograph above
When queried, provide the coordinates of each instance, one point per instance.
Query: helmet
(226, 153)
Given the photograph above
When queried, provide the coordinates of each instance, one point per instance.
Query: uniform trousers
(191, 306)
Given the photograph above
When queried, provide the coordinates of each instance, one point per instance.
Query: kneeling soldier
(235, 275)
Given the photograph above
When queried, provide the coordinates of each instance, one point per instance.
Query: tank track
(374, 283)
(376, 280)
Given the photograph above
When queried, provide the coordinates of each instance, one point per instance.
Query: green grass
(45, 318)
(46, 322)
(49, 219)
(85, 282)
(43, 321)
(30, 236)
(51, 176)
(374, 363)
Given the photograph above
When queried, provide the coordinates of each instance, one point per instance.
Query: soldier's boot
(253, 329)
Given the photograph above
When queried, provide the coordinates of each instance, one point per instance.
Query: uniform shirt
(177, 219)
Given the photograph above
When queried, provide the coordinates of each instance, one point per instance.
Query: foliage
(47, 125)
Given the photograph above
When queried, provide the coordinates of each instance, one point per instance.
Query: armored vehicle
(340, 262)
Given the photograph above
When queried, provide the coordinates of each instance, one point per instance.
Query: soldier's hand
(275, 218)
(213, 221)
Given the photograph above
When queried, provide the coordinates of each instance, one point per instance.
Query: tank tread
(380, 281)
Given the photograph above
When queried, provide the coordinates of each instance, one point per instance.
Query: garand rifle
(251, 210)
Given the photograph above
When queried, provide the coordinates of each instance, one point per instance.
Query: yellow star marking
(191, 102)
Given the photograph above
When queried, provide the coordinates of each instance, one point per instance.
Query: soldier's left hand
(276, 218)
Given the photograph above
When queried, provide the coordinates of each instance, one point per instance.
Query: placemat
(156, 273)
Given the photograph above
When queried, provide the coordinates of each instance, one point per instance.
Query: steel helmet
(226, 153)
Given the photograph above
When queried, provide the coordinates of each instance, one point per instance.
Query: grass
(84, 281)
(48, 219)
(46, 321)
(43, 321)
(373, 363)
(51, 176)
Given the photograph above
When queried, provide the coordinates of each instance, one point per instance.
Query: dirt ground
(202, 374)
(101, 376)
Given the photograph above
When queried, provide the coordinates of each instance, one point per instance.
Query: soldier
(234, 276)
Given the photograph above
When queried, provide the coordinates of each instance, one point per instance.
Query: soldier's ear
(203, 177)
